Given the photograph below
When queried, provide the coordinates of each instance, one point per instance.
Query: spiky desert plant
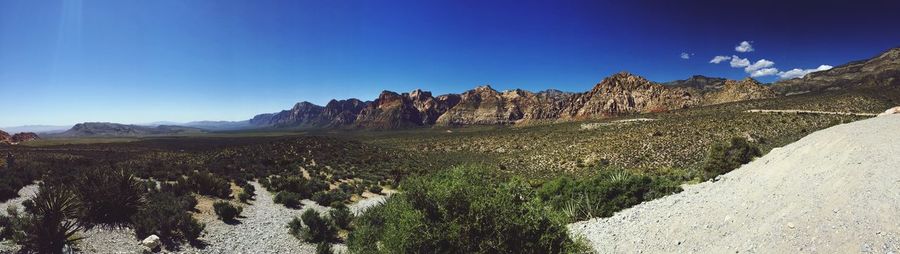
(52, 224)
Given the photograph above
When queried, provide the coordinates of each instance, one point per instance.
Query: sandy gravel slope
(834, 191)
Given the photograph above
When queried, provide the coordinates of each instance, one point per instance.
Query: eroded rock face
(341, 112)
(619, 94)
(624, 93)
(390, 110)
(23, 137)
(5, 137)
(734, 90)
(700, 82)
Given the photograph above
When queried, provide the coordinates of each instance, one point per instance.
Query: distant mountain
(699, 82)
(122, 130)
(880, 71)
(619, 94)
(38, 128)
(219, 125)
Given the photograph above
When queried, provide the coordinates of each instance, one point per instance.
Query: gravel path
(262, 229)
(834, 191)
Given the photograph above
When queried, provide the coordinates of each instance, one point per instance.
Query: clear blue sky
(129, 61)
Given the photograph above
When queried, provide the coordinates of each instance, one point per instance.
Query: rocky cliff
(734, 90)
(620, 94)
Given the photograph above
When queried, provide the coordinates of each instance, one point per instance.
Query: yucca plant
(52, 224)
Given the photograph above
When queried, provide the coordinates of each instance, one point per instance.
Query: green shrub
(463, 210)
(297, 184)
(226, 211)
(316, 228)
(603, 194)
(244, 197)
(325, 198)
(207, 184)
(52, 224)
(166, 215)
(725, 157)
(109, 196)
(288, 199)
(295, 227)
(249, 189)
(324, 248)
(375, 189)
(341, 216)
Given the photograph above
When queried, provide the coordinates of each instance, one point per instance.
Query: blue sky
(129, 61)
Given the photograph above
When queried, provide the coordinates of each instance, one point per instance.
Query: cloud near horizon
(762, 67)
(799, 73)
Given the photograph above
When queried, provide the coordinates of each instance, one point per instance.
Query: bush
(52, 224)
(375, 189)
(341, 216)
(249, 189)
(325, 198)
(324, 248)
(297, 184)
(315, 228)
(295, 227)
(602, 195)
(207, 184)
(226, 211)
(109, 197)
(288, 199)
(725, 157)
(463, 210)
(244, 197)
(166, 215)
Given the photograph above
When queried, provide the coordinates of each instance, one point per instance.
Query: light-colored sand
(834, 191)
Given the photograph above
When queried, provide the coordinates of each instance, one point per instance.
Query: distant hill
(699, 82)
(122, 130)
(882, 70)
(38, 128)
(206, 125)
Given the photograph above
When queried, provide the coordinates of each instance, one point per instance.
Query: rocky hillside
(734, 90)
(123, 130)
(881, 71)
(17, 138)
(619, 94)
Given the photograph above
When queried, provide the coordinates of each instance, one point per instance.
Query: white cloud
(685, 55)
(799, 73)
(744, 47)
(763, 63)
(764, 72)
(719, 59)
(738, 62)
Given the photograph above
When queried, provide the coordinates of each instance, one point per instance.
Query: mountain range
(123, 130)
(619, 94)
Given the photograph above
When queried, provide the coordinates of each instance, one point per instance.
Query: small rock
(151, 242)
(790, 225)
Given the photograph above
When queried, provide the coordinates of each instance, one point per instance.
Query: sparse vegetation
(109, 196)
(341, 216)
(316, 229)
(166, 215)
(461, 210)
(288, 199)
(603, 194)
(226, 211)
(724, 157)
(52, 221)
